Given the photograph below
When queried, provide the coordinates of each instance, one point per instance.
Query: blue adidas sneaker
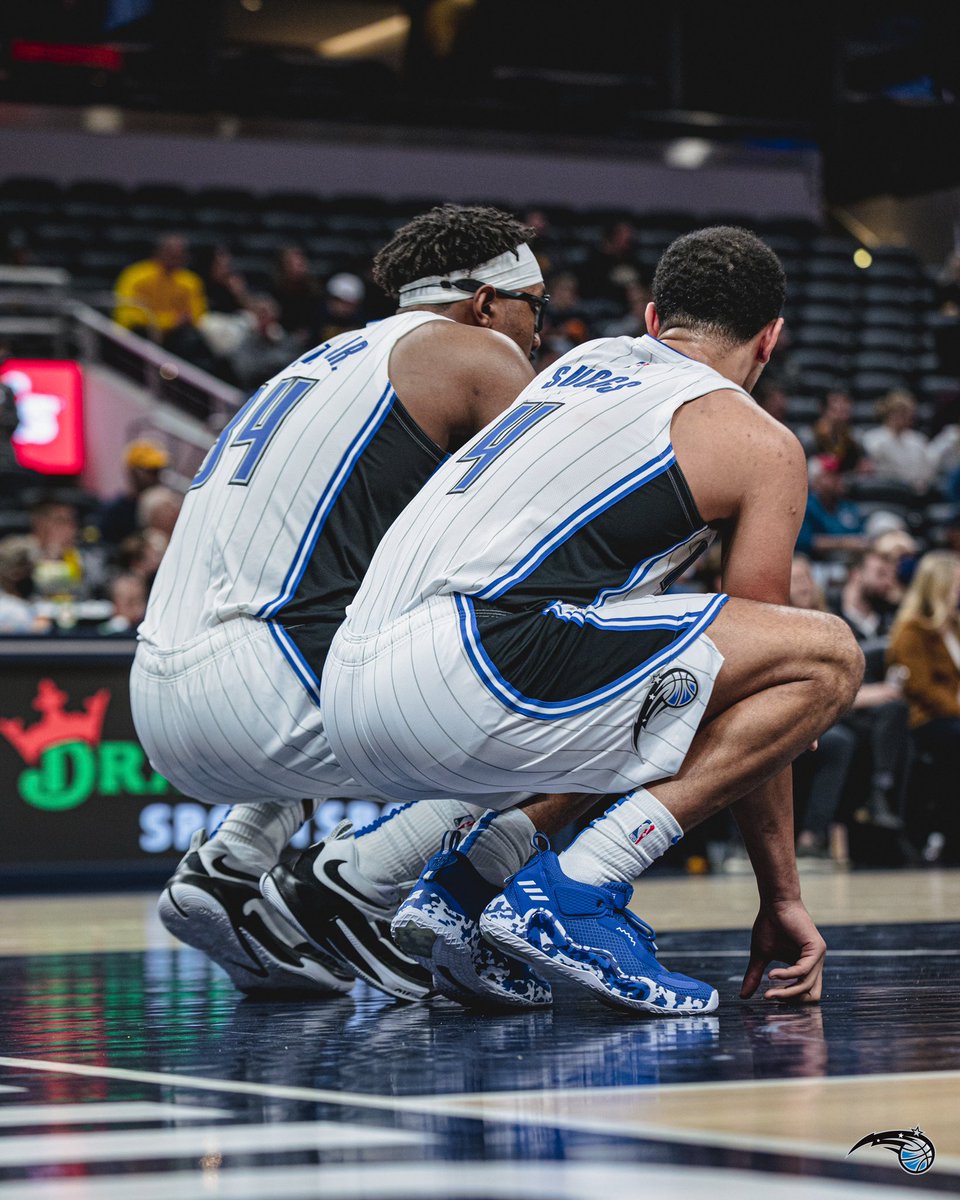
(437, 926)
(586, 935)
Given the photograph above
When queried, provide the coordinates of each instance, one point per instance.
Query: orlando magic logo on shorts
(670, 689)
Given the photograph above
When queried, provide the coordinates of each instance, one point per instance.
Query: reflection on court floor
(139, 1072)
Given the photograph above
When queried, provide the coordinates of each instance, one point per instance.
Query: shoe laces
(620, 894)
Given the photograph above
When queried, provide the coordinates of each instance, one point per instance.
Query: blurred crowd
(879, 544)
(200, 308)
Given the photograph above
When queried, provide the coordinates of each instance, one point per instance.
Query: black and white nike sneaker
(214, 905)
(344, 914)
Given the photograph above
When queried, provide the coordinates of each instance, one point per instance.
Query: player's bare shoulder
(451, 347)
(453, 378)
(728, 447)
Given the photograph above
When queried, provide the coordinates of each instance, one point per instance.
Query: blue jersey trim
(586, 513)
(552, 710)
(326, 502)
(599, 620)
(642, 570)
(301, 668)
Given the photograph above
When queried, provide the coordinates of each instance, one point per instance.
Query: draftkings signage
(78, 792)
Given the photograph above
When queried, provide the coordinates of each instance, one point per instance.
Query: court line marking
(279, 1091)
(464, 1106)
(9, 1087)
(424, 1103)
(128, 1112)
(125, 1145)
(463, 1180)
(831, 953)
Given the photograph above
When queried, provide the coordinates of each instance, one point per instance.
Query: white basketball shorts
(459, 698)
(226, 719)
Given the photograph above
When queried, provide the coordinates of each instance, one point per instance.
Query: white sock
(620, 845)
(499, 844)
(395, 847)
(256, 833)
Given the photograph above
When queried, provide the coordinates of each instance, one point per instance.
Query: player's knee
(843, 662)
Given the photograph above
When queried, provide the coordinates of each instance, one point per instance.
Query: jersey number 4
(253, 427)
(513, 425)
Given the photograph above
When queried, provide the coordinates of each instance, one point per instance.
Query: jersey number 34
(252, 429)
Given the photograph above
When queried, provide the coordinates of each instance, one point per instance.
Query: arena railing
(167, 377)
(38, 309)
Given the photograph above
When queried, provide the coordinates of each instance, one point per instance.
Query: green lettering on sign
(120, 764)
(65, 778)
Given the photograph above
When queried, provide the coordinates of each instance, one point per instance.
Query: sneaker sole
(452, 965)
(417, 940)
(500, 929)
(346, 948)
(197, 919)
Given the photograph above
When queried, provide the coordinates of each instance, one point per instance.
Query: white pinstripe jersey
(572, 499)
(250, 524)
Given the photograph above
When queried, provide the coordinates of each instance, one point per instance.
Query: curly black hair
(450, 237)
(723, 282)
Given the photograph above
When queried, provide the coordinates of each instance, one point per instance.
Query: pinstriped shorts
(425, 707)
(226, 719)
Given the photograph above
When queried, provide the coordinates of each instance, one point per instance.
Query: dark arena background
(283, 142)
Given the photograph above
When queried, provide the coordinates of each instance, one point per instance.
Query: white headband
(511, 271)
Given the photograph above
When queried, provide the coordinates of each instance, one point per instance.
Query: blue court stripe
(327, 500)
(551, 710)
(301, 668)
(587, 512)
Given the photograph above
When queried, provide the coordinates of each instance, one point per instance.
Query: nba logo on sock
(641, 832)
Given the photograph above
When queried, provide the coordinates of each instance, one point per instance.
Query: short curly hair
(450, 237)
(722, 282)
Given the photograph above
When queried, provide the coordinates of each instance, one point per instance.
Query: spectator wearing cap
(902, 454)
(144, 462)
(832, 525)
(343, 307)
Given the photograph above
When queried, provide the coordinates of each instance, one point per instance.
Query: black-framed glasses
(537, 303)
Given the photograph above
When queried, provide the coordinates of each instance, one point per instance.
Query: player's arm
(757, 565)
(455, 379)
(760, 496)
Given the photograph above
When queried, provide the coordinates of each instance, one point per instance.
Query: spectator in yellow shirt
(158, 295)
(160, 299)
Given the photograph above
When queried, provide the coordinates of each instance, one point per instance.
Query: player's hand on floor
(784, 932)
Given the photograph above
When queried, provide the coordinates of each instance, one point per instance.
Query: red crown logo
(56, 725)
